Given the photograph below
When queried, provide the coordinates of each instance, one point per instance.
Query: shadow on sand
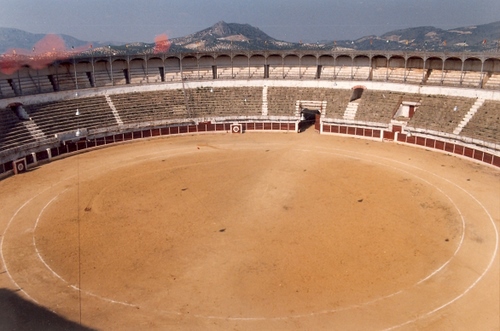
(17, 313)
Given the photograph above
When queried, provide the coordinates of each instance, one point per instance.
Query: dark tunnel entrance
(308, 118)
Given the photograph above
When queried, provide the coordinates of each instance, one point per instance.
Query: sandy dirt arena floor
(258, 231)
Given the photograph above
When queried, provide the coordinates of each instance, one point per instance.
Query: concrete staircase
(265, 109)
(351, 110)
(473, 109)
(34, 130)
(113, 110)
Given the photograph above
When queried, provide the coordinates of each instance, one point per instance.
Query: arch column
(387, 58)
(146, 64)
(93, 67)
(111, 70)
(370, 75)
(442, 70)
(481, 79)
(335, 66)
(248, 61)
(128, 76)
(406, 66)
(423, 69)
(462, 71)
(300, 66)
(352, 67)
(282, 66)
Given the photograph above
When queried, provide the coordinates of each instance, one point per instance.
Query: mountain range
(224, 36)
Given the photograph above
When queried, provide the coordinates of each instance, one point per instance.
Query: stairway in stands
(34, 130)
(113, 110)
(351, 110)
(265, 109)
(473, 109)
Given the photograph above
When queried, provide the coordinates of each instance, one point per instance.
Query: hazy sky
(290, 20)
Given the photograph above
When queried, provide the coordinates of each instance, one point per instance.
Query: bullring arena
(186, 192)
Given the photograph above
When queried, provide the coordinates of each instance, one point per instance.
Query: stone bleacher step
(467, 117)
(351, 110)
(34, 130)
(265, 109)
(113, 110)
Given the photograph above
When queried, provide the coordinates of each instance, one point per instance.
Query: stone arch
(379, 61)
(380, 68)
(119, 72)
(240, 61)
(102, 69)
(326, 60)
(453, 63)
(84, 73)
(275, 60)
(343, 60)
(256, 64)
(291, 60)
(156, 70)
(223, 61)
(137, 71)
(190, 67)
(361, 67)
(492, 65)
(172, 68)
(275, 66)
(257, 60)
(308, 61)
(472, 64)
(396, 61)
(434, 62)
(415, 62)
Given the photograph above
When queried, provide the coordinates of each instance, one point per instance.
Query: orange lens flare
(162, 44)
(47, 50)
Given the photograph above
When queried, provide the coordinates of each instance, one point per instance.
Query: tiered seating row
(361, 73)
(379, 106)
(309, 72)
(276, 72)
(225, 101)
(485, 124)
(172, 76)
(12, 131)
(197, 73)
(6, 90)
(415, 76)
(64, 78)
(471, 79)
(199, 102)
(440, 112)
(138, 76)
(256, 72)
(60, 116)
(29, 85)
(154, 75)
(65, 81)
(149, 106)
(341, 73)
(282, 100)
(119, 76)
(493, 82)
(454, 78)
(345, 72)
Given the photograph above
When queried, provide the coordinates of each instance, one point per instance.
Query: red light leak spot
(9, 66)
(47, 50)
(162, 44)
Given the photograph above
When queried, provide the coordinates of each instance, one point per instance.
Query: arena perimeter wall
(461, 146)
